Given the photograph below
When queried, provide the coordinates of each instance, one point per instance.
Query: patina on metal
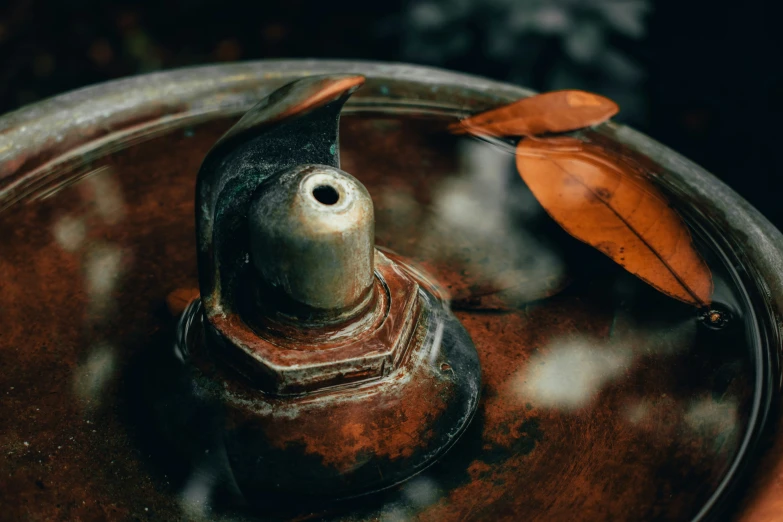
(306, 327)
(89, 459)
(312, 236)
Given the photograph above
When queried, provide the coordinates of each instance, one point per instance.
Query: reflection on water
(104, 192)
(195, 496)
(69, 232)
(710, 418)
(601, 398)
(473, 223)
(571, 373)
(91, 377)
(417, 494)
(103, 267)
(421, 492)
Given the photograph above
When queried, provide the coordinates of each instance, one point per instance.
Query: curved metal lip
(39, 138)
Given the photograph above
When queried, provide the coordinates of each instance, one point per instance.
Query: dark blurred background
(702, 78)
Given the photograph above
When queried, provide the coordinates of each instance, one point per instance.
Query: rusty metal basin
(601, 399)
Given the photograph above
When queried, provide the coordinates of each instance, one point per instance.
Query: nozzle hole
(326, 194)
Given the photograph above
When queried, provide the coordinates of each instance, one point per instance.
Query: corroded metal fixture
(600, 400)
(311, 236)
(336, 366)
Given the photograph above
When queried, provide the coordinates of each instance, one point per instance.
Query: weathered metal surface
(284, 358)
(326, 334)
(71, 359)
(312, 237)
(296, 125)
(294, 451)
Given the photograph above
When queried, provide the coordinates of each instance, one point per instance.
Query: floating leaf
(557, 111)
(603, 202)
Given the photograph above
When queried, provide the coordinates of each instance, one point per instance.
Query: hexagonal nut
(363, 350)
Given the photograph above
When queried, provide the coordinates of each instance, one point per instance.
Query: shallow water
(602, 398)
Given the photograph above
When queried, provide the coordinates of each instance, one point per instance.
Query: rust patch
(616, 457)
(391, 423)
(285, 360)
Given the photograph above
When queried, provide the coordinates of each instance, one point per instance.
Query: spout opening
(326, 194)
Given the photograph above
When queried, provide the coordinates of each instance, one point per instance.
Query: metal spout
(303, 327)
(312, 243)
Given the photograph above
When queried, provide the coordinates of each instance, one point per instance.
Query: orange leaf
(557, 111)
(604, 203)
